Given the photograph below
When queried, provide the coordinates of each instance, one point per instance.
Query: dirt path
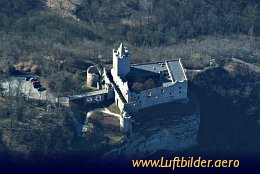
(106, 111)
(251, 66)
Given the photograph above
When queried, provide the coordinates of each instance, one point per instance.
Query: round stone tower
(93, 77)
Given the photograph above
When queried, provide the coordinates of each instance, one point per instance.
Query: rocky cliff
(173, 131)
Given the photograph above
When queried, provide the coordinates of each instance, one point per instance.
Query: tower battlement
(121, 61)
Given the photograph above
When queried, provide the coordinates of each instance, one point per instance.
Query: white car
(32, 78)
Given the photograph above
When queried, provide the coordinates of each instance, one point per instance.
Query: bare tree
(137, 86)
(2, 90)
(148, 84)
(147, 6)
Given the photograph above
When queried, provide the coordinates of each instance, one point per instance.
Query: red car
(35, 81)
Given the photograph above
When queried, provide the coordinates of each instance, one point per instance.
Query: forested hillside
(47, 36)
(150, 22)
(140, 22)
(59, 39)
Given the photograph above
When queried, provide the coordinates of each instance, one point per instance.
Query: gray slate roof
(174, 66)
(151, 67)
(177, 71)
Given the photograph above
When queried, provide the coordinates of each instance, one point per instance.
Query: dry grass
(205, 48)
(105, 128)
(66, 8)
(113, 108)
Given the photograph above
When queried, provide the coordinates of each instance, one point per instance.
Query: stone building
(144, 85)
(137, 86)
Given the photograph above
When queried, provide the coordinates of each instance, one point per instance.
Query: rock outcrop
(173, 135)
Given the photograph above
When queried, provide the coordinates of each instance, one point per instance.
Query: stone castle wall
(121, 84)
(152, 97)
(160, 95)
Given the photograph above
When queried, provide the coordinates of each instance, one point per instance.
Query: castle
(139, 86)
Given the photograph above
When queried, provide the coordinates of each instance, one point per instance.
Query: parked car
(32, 78)
(40, 89)
(35, 81)
(37, 85)
(27, 78)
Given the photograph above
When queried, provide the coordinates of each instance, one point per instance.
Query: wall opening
(98, 98)
(88, 99)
